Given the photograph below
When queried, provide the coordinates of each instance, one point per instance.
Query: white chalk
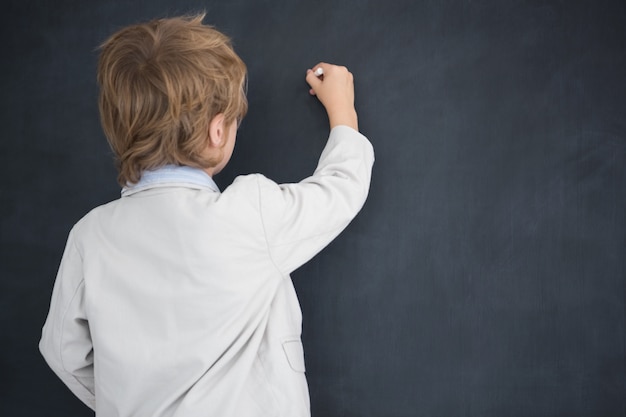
(319, 72)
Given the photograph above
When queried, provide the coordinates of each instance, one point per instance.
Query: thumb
(313, 80)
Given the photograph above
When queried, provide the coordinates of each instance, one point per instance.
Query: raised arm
(301, 219)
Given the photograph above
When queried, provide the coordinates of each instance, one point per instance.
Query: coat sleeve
(66, 340)
(301, 219)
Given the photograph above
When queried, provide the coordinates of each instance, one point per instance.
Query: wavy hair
(161, 83)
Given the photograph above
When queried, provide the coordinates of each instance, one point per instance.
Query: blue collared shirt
(170, 175)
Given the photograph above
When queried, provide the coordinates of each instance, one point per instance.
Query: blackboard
(486, 274)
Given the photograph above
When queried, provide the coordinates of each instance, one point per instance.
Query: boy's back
(175, 300)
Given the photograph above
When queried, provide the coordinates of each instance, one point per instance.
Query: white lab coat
(176, 300)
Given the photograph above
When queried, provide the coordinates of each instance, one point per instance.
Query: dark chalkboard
(486, 274)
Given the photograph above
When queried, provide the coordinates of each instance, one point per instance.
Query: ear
(217, 131)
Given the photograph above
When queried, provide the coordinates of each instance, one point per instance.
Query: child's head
(161, 84)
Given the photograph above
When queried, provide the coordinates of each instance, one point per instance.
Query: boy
(176, 300)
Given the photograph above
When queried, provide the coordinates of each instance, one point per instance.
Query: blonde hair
(161, 83)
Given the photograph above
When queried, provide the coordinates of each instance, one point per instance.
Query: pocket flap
(295, 354)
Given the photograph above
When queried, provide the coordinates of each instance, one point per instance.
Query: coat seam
(265, 235)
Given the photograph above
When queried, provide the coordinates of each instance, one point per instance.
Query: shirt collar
(172, 175)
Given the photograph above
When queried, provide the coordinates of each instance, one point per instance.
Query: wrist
(347, 118)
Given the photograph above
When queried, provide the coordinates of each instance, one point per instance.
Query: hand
(335, 90)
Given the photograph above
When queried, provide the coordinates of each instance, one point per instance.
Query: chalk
(319, 72)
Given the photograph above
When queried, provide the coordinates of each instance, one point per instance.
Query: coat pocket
(295, 354)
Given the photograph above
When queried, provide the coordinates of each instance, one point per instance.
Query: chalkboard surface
(486, 274)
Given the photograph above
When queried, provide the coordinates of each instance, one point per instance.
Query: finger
(323, 65)
(313, 79)
(320, 69)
